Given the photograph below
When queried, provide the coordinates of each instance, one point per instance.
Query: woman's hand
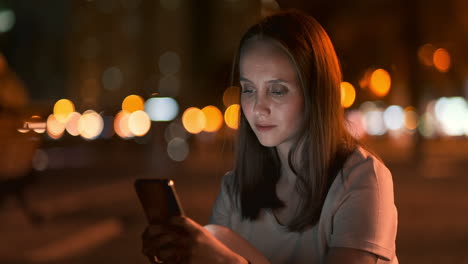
(182, 240)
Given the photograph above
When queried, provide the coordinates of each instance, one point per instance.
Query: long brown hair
(323, 143)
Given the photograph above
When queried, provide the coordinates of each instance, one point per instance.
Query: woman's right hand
(182, 240)
(164, 243)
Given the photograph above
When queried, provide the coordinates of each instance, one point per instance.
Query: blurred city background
(97, 93)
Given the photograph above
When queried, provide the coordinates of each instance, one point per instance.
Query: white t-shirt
(359, 212)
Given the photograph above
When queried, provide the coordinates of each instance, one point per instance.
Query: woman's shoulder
(364, 168)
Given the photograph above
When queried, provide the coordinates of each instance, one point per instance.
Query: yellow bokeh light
(62, 109)
(133, 103)
(348, 94)
(55, 128)
(194, 120)
(231, 96)
(90, 124)
(139, 123)
(214, 118)
(441, 60)
(231, 116)
(380, 82)
(121, 125)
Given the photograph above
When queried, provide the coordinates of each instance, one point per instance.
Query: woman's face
(272, 100)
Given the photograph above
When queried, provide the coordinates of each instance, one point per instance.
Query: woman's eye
(278, 90)
(247, 90)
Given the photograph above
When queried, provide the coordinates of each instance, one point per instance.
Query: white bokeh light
(452, 114)
(394, 117)
(161, 108)
(90, 125)
(374, 123)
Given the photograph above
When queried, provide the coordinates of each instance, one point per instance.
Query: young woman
(302, 190)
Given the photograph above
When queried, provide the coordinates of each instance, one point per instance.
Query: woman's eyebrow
(243, 79)
(277, 81)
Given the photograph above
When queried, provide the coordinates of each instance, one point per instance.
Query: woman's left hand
(182, 240)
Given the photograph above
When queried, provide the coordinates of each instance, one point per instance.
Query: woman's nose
(262, 107)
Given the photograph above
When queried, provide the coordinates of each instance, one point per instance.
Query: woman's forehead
(265, 55)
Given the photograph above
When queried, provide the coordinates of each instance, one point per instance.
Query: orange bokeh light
(231, 96)
(133, 103)
(348, 94)
(194, 120)
(214, 118)
(231, 116)
(72, 124)
(426, 53)
(441, 60)
(411, 118)
(380, 82)
(55, 128)
(121, 126)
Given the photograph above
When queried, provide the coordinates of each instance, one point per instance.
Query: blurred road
(91, 214)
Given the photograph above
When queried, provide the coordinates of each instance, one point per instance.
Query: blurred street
(91, 214)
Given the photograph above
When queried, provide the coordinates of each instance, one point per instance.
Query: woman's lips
(263, 128)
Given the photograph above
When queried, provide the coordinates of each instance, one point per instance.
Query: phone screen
(158, 199)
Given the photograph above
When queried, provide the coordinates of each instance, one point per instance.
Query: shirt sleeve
(220, 213)
(366, 218)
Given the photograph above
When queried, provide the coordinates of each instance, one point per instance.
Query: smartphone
(159, 199)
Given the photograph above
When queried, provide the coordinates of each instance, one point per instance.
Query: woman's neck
(288, 177)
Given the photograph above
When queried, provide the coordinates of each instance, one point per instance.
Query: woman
(302, 190)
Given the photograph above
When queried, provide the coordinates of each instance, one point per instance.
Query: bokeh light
(231, 116)
(193, 120)
(7, 20)
(441, 60)
(380, 82)
(40, 160)
(178, 149)
(427, 125)
(394, 117)
(348, 94)
(161, 108)
(425, 54)
(355, 124)
(139, 123)
(411, 118)
(121, 125)
(133, 103)
(72, 124)
(375, 123)
(62, 109)
(364, 82)
(231, 96)
(214, 118)
(90, 125)
(37, 124)
(452, 114)
(55, 128)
